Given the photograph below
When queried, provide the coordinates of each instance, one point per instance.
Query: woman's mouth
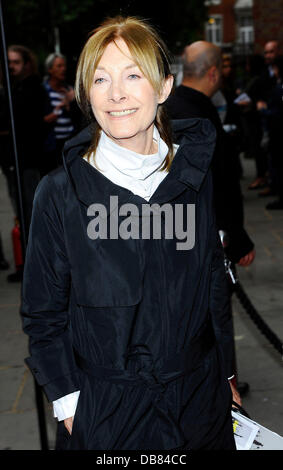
(124, 112)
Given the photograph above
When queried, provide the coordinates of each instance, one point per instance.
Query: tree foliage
(32, 22)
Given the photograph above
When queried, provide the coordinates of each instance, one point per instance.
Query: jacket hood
(196, 140)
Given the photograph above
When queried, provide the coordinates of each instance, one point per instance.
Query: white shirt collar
(137, 172)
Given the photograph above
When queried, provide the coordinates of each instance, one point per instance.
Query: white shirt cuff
(65, 407)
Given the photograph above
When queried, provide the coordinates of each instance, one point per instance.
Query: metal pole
(12, 122)
(38, 390)
(57, 40)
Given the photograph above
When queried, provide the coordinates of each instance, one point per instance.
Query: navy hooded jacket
(141, 328)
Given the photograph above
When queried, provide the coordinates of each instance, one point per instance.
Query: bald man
(271, 51)
(192, 99)
(265, 90)
(201, 79)
(202, 67)
(267, 78)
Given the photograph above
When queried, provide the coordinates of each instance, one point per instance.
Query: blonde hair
(150, 54)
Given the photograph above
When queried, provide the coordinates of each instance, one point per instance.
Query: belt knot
(140, 358)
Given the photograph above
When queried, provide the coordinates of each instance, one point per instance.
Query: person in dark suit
(192, 99)
(268, 77)
(272, 111)
(28, 98)
(251, 120)
(269, 103)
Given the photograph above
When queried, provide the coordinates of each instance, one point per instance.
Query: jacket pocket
(109, 275)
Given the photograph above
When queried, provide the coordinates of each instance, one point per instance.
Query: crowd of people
(45, 116)
(260, 116)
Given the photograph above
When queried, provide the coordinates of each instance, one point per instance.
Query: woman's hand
(68, 422)
(235, 393)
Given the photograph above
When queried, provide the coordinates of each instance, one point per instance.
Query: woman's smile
(122, 113)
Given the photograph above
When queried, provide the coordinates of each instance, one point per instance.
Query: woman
(130, 328)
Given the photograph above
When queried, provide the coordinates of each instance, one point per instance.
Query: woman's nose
(117, 92)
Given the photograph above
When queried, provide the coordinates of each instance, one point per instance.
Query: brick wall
(268, 23)
(226, 9)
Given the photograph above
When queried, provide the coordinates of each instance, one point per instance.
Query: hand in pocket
(68, 422)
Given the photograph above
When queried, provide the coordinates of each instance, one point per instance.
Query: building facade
(220, 27)
(268, 23)
(244, 26)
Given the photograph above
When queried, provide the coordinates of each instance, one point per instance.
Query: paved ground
(259, 363)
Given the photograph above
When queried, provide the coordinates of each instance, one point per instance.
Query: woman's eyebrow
(130, 66)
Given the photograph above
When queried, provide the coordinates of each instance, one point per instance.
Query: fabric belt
(149, 374)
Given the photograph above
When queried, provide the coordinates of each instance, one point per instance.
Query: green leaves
(33, 22)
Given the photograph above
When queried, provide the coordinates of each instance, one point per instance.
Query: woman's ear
(166, 89)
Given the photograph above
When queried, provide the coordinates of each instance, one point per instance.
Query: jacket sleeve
(220, 307)
(228, 199)
(45, 297)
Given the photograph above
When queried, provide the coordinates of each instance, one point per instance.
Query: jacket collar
(185, 91)
(196, 139)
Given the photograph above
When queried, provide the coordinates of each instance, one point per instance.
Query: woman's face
(123, 101)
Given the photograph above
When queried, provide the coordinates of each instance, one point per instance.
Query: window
(213, 29)
(245, 30)
(212, 2)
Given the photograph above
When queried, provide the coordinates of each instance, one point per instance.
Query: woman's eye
(99, 80)
(134, 76)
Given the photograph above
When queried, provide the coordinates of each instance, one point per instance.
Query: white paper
(245, 431)
(267, 440)
(242, 97)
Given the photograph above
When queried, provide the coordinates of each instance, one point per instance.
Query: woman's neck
(142, 144)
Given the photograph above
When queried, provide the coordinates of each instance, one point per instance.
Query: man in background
(28, 105)
(192, 99)
(269, 105)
